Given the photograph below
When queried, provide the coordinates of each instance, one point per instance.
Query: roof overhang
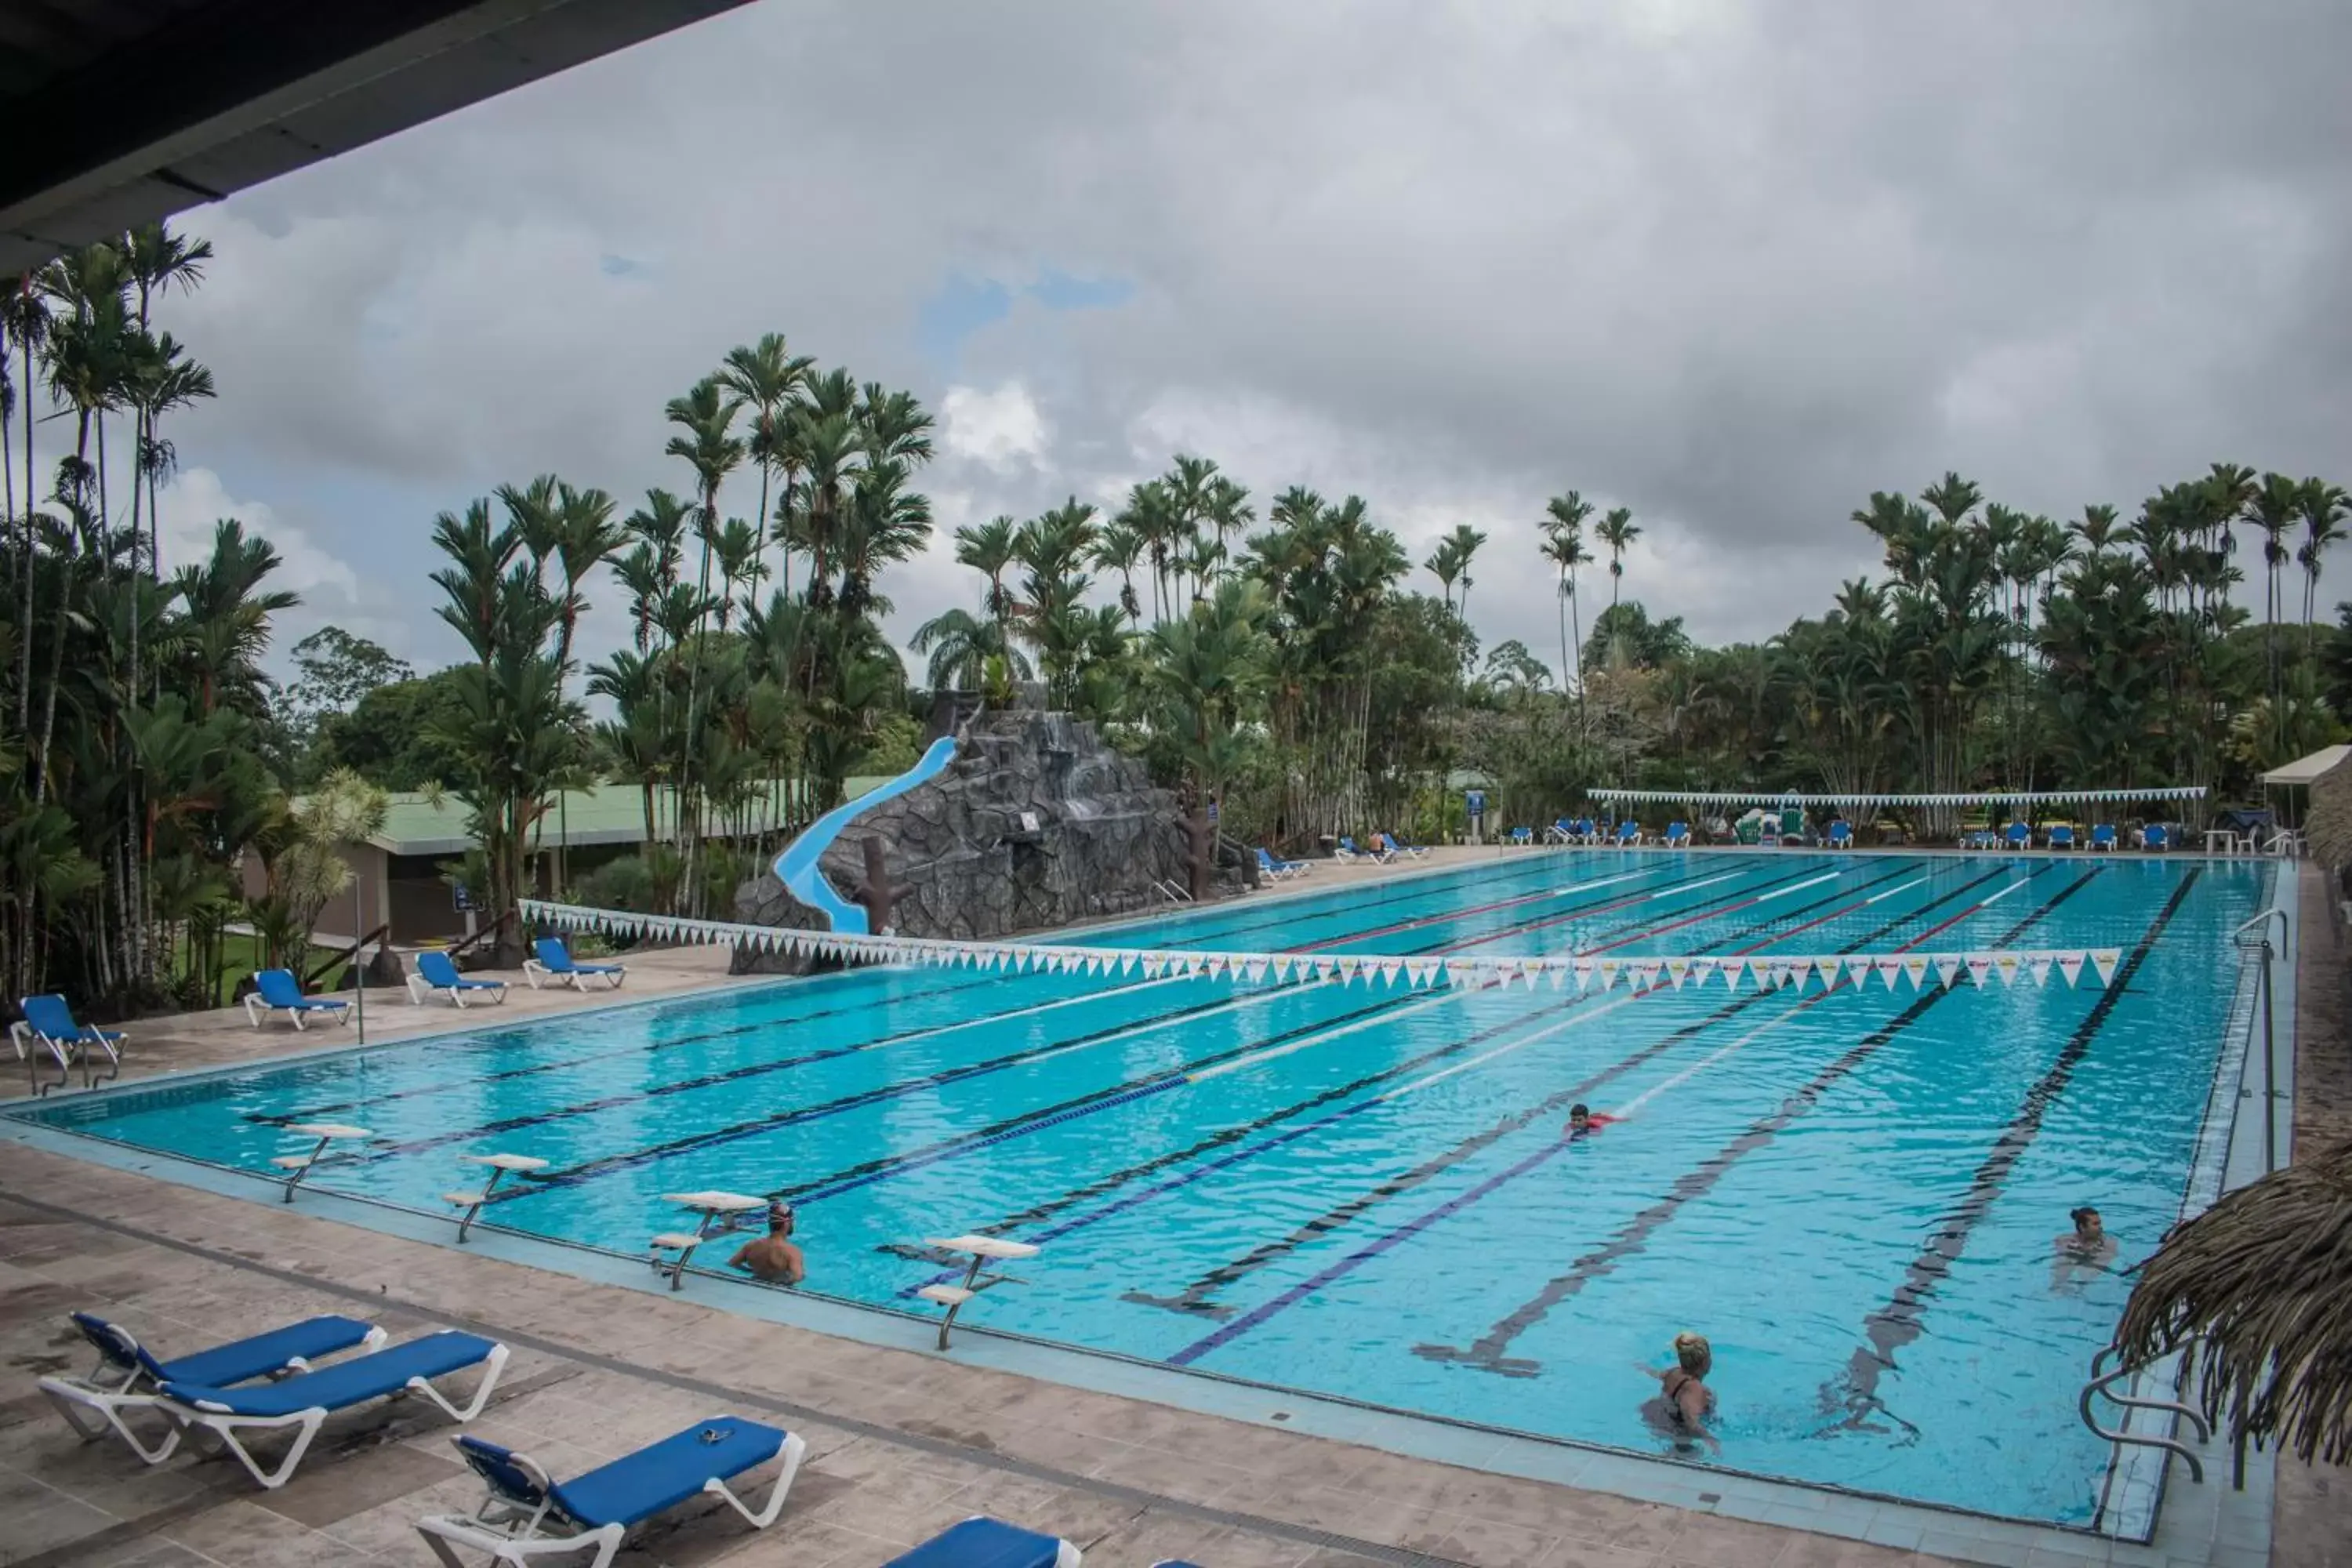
(126, 113)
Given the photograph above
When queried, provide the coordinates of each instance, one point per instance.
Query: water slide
(797, 868)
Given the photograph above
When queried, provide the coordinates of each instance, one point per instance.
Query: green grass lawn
(240, 956)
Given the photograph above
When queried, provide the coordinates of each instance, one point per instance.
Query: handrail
(312, 978)
(484, 935)
(2266, 993)
(2103, 1383)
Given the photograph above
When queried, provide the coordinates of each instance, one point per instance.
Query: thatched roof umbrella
(2265, 1278)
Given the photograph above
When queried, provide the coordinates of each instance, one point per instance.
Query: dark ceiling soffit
(204, 64)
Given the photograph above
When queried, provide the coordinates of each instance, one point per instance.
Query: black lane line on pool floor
(1402, 1232)
(724, 1395)
(1230, 1135)
(1195, 1297)
(1898, 1323)
(1147, 1082)
(1486, 1354)
(864, 1004)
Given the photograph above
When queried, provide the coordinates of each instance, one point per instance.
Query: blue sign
(1213, 811)
(1476, 801)
(458, 896)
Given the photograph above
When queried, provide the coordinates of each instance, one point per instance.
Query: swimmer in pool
(1583, 1123)
(2086, 1250)
(774, 1258)
(1680, 1412)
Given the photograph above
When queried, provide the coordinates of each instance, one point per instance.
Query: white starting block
(713, 1207)
(499, 1165)
(982, 1250)
(326, 1132)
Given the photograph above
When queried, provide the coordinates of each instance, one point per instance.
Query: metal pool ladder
(2254, 936)
(2103, 1383)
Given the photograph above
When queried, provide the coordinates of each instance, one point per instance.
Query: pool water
(1366, 1192)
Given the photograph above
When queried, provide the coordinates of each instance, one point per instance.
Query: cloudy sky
(1734, 266)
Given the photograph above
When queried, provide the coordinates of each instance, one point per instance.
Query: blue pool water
(1366, 1192)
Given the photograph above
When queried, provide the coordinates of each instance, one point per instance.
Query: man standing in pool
(1583, 1123)
(2087, 1249)
(774, 1258)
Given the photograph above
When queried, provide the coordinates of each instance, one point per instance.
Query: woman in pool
(1680, 1410)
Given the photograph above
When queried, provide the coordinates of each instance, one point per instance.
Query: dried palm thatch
(2327, 828)
(2265, 1278)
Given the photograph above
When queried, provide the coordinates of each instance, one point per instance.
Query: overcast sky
(1733, 265)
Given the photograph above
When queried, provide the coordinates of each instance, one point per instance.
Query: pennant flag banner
(1584, 971)
(2019, 798)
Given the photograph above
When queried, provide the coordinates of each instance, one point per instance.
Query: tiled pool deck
(1134, 1464)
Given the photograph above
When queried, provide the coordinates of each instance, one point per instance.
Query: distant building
(398, 871)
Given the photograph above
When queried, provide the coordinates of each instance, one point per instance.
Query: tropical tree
(1563, 546)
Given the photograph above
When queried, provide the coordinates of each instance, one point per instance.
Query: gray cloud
(1734, 266)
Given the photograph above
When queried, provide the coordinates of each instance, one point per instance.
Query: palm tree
(987, 548)
(1563, 546)
(2273, 509)
(1617, 531)
(1150, 514)
(707, 444)
(1118, 548)
(24, 320)
(766, 376)
(964, 647)
(2322, 506)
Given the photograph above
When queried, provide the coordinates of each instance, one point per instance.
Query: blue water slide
(797, 868)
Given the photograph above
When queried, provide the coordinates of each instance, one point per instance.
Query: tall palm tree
(989, 549)
(1564, 519)
(2322, 506)
(25, 319)
(1617, 531)
(767, 376)
(1118, 548)
(707, 442)
(2273, 509)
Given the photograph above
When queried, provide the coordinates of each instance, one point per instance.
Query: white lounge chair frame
(257, 1010)
(420, 989)
(509, 1531)
(78, 1397)
(226, 1424)
(612, 974)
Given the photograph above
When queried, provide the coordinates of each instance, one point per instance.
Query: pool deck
(902, 1441)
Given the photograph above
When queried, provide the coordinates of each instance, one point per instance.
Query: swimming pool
(1366, 1191)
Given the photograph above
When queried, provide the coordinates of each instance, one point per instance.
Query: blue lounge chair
(2061, 836)
(2156, 836)
(2017, 835)
(1524, 838)
(1841, 833)
(1279, 869)
(2103, 835)
(981, 1541)
(127, 1375)
(277, 990)
(1395, 845)
(1562, 831)
(435, 972)
(598, 1508)
(1348, 850)
(304, 1401)
(555, 962)
(1628, 833)
(49, 1028)
(1677, 836)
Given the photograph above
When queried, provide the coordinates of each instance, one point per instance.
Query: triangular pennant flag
(2069, 964)
(2005, 965)
(1348, 965)
(1558, 970)
(1677, 971)
(1152, 964)
(1254, 970)
(1948, 968)
(1283, 965)
(1609, 969)
(1702, 969)
(1889, 967)
(1530, 970)
(1980, 968)
(1735, 970)
(1391, 968)
(1325, 967)
(1416, 971)
(1827, 968)
(1583, 967)
(1914, 967)
(2040, 966)
(2104, 960)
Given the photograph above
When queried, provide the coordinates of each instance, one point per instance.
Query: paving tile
(1485, 1543)
(250, 1536)
(1590, 1555)
(52, 1521)
(1713, 1542)
(319, 1495)
(1809, 1551)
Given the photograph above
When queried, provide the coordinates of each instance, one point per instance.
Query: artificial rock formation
(1035, 825)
